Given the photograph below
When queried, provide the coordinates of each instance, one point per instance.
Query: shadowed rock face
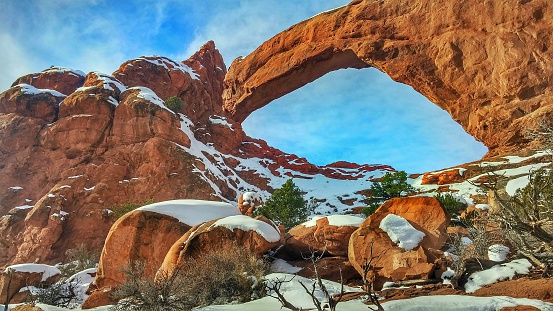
(486, 63)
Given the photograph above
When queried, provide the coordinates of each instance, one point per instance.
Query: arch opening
(364, 116)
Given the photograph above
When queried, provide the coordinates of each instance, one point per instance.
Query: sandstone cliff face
(486, 63)
(73, 146)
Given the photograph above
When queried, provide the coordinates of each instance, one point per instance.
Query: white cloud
(18, 61)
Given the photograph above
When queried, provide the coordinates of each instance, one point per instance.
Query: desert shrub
(119, 210)
(60, 294)
(228, 275)
(392, 185)
(450, 203)
(466, 250)
(78, 259)
(527, 217)
(286, 206)
(174, 103)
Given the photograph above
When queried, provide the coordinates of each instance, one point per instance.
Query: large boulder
(328, 234)
(396, 261)
(18, 276)
(257, 235)
(140, 236)
(146, 235)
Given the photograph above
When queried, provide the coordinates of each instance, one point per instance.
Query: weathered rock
(142, 115)
(328, 234)
(443, 177)
(329, 268)
(97, 298)
(137, 237)
(258, 236)
(485, 63)
(425, 214)
(248, 202)
(26, 275)
(63, 80)
(197, 81)
(85, 118)
(28, 101)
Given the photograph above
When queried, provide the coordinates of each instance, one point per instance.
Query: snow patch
(401, 231)
(24, 207)
(246, 223)
(336, 220)
(192, 212)
(497, 273)
(483, 207)
(151, 96)
(498, 252)
(220, 120)
(518, 183)
(282, 266)
(109, 79)
(46, 270)
(31, 90)
(169, 64)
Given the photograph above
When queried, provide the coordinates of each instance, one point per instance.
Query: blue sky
(354, 115)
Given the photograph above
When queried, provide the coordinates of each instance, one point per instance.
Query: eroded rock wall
(487, 63)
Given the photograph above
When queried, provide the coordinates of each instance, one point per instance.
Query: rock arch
(487, 63)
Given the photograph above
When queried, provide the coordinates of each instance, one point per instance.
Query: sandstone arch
(487, 63)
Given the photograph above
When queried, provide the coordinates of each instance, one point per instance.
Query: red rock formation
(443, 177)
(485, 63)
(248, 202)
(320, 236)
(108, 142)
(424, 214)
(63, 80)
(210, 236)
(197, 81)
(21, 279)
(28, 101)
(138, 237)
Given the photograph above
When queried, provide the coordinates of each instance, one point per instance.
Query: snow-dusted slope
(331, 192)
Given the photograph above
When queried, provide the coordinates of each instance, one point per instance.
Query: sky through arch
(364, 116)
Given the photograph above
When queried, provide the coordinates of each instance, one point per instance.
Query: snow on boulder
(418, 224)
(192, 212)
(28, 101)
(23, 275)
(329, 234)
(60, 79)
(248, 202)
(246, 223)
(401, 232)
(257, 235)
(145, 235)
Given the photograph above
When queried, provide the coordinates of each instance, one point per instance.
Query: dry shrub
(229, 275)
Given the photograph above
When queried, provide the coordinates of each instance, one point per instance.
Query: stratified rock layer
(487, 63)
